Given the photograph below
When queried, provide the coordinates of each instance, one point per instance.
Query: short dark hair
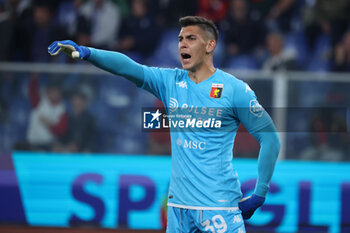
(204, 23)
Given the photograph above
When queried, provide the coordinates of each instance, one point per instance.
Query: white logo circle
(255, 108)
(173, 104)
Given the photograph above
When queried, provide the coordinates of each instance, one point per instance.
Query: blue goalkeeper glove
(249, 204)
(70, 48)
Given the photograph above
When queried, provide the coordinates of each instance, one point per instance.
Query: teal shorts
(214, 221)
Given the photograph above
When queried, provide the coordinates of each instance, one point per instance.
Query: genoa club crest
(216, 90)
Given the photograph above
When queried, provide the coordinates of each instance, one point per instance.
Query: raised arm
(112, 62)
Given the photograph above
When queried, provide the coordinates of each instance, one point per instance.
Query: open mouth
(185, 56)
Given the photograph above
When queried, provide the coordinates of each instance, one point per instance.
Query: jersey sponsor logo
(193, 145)
(182, 84)
(255, 108)
(185, 108)
(206, 111)
(216, 90)
(173, 104)
(151, 120)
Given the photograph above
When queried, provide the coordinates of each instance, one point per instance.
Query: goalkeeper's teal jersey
(203, 176)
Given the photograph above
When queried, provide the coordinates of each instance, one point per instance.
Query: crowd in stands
(51, 127)
(258, 32)
(269, 35)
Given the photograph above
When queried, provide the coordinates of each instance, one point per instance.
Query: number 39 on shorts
(217, 224)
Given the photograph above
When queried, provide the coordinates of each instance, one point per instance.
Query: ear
(210, 46)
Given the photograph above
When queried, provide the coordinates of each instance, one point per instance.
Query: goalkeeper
(204, 193)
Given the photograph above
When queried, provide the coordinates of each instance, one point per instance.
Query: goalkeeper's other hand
(70, 48)
(249, 204)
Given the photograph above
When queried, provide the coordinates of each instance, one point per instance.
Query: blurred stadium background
(95, 169)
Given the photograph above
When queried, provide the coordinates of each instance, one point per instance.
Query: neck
(202, 73)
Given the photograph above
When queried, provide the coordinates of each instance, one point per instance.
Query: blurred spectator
(16, 14)
(172, 10)
(6, 32)
(342, 54)
(48, 120)
(19, 8)
(326, 17)
(276, 13)
(68, 16)
(9, 90)
(213, 9)
(328, 137)
(103, 22)
(123, 7)
(278, 58)
(139, 32)
(238, 29)
(81, 133)
(35, 34)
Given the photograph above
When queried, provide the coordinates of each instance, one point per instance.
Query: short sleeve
(248, 109)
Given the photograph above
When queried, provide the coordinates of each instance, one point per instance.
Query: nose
(182, 44)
